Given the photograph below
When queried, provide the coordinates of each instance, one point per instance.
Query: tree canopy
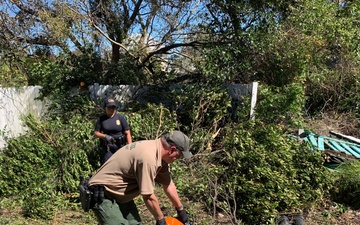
(314, 44)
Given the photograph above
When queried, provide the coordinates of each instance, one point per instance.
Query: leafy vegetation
(346, 189)
(46, 162)
(304, 54)
(257, 173)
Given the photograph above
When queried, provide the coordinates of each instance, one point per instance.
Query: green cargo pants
(109, 212)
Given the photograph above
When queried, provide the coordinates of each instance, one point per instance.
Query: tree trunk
(115, 52)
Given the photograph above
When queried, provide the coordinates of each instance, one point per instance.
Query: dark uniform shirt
(114, 126)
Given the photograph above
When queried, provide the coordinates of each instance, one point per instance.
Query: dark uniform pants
(109, 212)
(107, 156)
(108, 149)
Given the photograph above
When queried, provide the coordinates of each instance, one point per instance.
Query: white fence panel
(14, 103)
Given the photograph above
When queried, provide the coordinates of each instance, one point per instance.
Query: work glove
(183, 217)
(109, 139)
(161, 222)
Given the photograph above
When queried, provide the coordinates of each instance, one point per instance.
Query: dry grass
(345, 124)
(326, 215)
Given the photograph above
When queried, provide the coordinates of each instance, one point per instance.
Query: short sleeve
(98, 125)
(124, 122)
(145, 174)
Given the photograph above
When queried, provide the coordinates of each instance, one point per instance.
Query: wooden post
(254, 88)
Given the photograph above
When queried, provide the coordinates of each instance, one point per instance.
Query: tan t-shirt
(133, 170)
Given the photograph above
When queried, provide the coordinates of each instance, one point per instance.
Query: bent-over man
(132, 171)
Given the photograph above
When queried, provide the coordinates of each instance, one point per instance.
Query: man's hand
(161, 222)
(183, 217)
(109, 139)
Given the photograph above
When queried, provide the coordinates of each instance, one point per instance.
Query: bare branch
(168, 48)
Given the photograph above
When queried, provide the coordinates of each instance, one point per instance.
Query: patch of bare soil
(326, 215)
(345, 124)
(332, 214)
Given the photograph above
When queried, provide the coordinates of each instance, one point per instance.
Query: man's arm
(173, 195)
(153, 205)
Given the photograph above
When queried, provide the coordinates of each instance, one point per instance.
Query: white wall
(15, 102)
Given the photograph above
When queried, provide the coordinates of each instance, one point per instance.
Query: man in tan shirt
(132, 171)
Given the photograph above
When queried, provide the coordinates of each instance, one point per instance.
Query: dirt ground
(344, 124)
(327, 215)
(333, 215)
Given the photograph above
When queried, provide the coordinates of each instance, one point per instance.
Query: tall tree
(312, 43)
(146, 31)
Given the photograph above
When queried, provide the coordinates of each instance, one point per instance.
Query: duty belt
(90, 195)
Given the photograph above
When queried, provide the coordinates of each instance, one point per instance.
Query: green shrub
(150, 121)
(41, 201)
(257, 173)
(281, 105)
(347, 186)
(270, 172)
(45, 162)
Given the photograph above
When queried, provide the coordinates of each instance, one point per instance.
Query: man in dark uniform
(112, 129)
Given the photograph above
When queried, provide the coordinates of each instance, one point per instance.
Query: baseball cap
(180, 141)
(109, 102)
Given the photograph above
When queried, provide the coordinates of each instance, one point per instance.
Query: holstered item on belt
(113, 147)
(98, 193)
(85, 194)
(121, 141)
(90, 195)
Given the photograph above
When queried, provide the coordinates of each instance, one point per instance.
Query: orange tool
(173, 221)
